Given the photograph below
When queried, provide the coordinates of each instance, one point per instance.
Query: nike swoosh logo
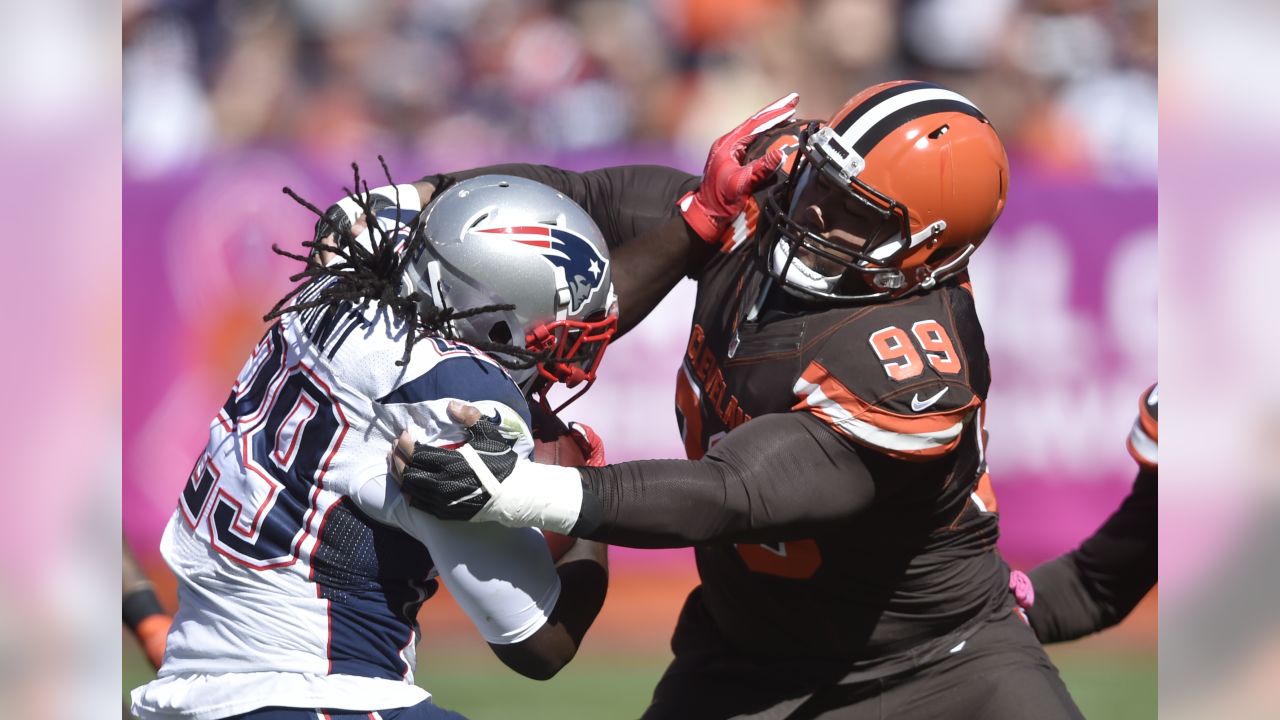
(918, 405)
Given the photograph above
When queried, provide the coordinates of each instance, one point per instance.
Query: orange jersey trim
(923, 436)
(878, 416)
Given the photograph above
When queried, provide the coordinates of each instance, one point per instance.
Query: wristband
(140, 605)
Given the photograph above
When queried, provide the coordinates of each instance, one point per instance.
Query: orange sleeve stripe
(917, 454)
(881, 418)
(986, 493)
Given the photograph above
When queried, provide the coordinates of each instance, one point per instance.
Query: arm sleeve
(502, 578)
(777, 477)
(625, 201)
(1096, 585)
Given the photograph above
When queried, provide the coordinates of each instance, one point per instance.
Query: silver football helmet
(499, 239)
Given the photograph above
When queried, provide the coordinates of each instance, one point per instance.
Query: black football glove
(443, 483)
(340, 217)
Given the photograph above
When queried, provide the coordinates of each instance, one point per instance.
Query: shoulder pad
(896, 378)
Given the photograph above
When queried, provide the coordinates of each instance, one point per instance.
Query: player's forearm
(635, 208)
(626, 201)
(778, 477)
(1098, 584)
(141, 609)
(562, 180)
(584, 581)
(1064, 609)
(657, 504)
(645, 270)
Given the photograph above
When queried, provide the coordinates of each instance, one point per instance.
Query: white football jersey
(300, 565)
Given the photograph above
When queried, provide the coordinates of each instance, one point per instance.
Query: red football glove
(591, 444)
(726, 182)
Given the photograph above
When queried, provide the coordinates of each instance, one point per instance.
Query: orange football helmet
(921, 165)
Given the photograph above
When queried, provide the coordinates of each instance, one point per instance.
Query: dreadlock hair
(374, 275)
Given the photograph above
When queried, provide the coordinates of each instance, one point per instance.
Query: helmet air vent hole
(476, 221)
(939, 132)
(500, 332)
(504, 184)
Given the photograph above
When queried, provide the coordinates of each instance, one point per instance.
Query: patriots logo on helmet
(583, 264)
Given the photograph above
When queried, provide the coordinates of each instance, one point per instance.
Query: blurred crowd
(1070, 84)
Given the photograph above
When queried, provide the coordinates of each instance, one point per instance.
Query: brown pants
(1000, 673)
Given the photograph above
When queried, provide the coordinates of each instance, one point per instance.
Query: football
(562, 451)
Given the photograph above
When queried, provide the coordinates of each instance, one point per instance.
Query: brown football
(564, 451)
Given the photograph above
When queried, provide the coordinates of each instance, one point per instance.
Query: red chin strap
(576, 348)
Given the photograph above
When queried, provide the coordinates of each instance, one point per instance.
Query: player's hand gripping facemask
(728, 180)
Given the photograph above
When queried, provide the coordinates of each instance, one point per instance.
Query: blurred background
(225, 101)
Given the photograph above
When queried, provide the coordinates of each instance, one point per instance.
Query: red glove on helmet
(726, 182)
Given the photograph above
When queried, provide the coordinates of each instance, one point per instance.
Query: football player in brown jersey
(831, 400)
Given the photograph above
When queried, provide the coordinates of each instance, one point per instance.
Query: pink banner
(1066, 289)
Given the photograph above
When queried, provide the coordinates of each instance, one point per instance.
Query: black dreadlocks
(374, 274)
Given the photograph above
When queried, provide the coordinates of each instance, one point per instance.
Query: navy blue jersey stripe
(374, 577)
(465, 377)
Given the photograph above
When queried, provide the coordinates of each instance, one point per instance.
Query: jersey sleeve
(779, 476)
(625, 201)
(1144, 438)
(502, 578)
(897, 379)
(461, 374)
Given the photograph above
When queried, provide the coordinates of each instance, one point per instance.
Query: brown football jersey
(906, 381)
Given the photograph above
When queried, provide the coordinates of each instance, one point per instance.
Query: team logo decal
(584, 267)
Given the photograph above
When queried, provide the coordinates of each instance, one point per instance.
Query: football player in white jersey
(300, 567)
